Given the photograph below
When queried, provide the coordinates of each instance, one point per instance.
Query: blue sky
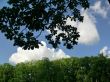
(99, 35)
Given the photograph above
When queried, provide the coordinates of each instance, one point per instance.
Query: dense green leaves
(87, 69)
(6, 72)
(25, 20)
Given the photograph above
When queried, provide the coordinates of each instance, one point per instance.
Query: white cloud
(36, 54)
(105, 51)
(87, 29)
(100, 9)
(88, 32)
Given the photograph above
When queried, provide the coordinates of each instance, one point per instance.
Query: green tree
(87, 69)
(107, 70)
(21, 73)
(45, 71)
(83, 69)
(25, 20)
(6, 72)
(99, 69)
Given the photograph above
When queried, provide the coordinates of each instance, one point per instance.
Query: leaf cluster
(25, 20)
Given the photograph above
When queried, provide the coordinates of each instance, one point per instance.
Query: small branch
(39, 33)
(23, 29)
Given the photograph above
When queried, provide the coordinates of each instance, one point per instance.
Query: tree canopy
(87, 69)
(23, 21)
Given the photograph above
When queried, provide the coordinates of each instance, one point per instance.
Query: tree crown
(25, 20)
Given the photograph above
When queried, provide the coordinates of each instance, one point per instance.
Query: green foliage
(6, 72)
(87, 69)
(25, 20)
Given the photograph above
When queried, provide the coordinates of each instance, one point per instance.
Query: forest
(20, 23)
(74, 69)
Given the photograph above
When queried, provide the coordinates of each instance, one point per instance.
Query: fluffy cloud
(36, 54)
(87, 29)
(105, 51)
(88, 32)
(100, 9)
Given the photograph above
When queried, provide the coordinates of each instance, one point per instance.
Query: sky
(94, 38)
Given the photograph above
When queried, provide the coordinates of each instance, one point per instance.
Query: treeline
(87, 69)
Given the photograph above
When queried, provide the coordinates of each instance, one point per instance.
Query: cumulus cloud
(105, 51)
(100, 9)
(87, 29)
(36, 54)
